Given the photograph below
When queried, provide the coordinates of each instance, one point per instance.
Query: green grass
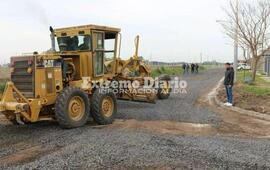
(259, 80)
(208, 66)
(173, 70)
(205, 67)
(4, 76)
(4, 73)
(2, 87)
(260, 87)
(258, 91)
(157, 71)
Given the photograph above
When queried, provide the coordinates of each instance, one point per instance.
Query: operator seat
(86, 43)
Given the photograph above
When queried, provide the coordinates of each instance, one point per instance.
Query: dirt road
(182, 132)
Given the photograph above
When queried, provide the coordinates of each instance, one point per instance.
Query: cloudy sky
(171, 30)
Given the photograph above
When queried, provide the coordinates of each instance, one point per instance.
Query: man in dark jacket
(187, 68)
(228, 83)
(192, 68)
(197, 67)
(184, 68)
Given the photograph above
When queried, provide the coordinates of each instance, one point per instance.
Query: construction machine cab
(94, 46)
(73, 43)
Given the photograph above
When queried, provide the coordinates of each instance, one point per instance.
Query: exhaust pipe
(52, 39)
(137, 41)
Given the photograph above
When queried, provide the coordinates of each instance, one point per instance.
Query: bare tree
(252, 20)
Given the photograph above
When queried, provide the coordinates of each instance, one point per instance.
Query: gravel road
(179, 107)
(46, 146)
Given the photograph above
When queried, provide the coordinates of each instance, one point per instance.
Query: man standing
(228, 83)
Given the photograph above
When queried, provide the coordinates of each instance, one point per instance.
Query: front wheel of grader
(72, 108)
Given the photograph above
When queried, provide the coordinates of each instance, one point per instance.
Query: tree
(250, 21)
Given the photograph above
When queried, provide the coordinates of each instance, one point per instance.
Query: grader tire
(163, 94)
(103, 107)
(72, 108)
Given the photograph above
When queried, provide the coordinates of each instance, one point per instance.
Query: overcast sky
(171, 30)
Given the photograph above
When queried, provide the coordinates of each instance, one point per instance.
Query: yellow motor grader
(66, 83)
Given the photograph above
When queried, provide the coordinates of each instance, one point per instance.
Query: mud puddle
(166, 127)
(24, 155)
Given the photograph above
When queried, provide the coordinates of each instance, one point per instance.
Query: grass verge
(157, 71)
(171, 70)
(259, 88)
(258, 91)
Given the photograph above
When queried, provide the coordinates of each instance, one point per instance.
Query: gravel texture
(45, 145)
(179, 107)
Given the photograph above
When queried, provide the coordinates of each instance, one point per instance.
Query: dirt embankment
(248, 101)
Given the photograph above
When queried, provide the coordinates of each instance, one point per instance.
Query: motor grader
(65, 82)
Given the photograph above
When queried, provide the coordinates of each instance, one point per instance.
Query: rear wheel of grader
(72, 108)
(103, 107)
(164, 91)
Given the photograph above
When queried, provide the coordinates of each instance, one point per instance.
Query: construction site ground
(182, 132)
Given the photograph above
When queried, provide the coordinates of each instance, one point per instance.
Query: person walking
(184, 68)
(197, 67)
(192, 68)
(228, 83)
(187, 68)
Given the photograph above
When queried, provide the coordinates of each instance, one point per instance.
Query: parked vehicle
(243, 66)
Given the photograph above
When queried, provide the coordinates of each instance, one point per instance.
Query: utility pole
(235, 64)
